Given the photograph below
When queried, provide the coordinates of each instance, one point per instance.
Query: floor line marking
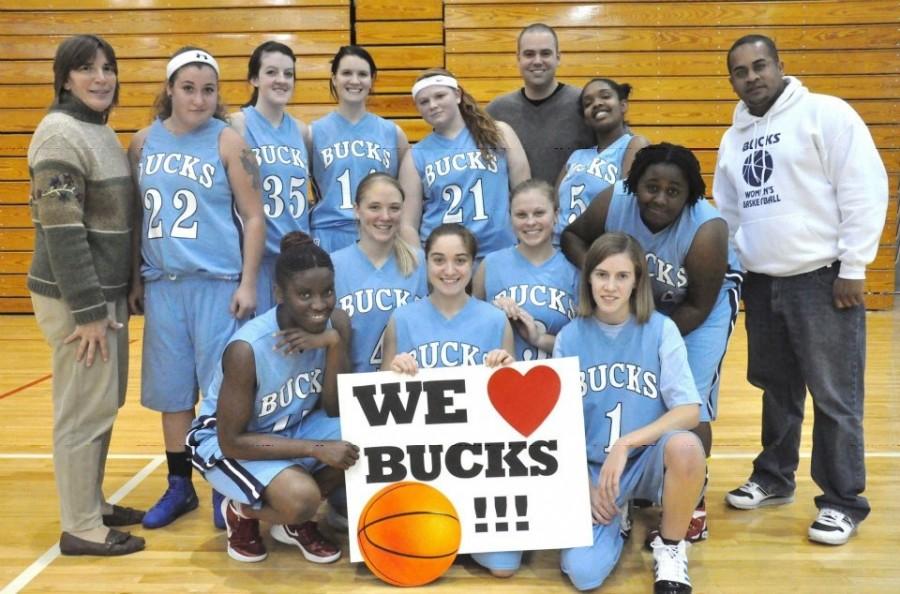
(26, 386)
(26, 456)
(42, 562)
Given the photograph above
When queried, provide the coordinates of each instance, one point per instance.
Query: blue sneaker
(178, 499)
(218, 518)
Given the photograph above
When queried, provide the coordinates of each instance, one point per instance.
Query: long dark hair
(255, 63)
(75, 52)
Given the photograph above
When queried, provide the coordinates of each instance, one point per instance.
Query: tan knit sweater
(82, 205)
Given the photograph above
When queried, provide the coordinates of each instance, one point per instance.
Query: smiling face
(602, 108)
(612, 283)
(449, 265)
(538, 59)
(378, 212)
(533, 216)
(195, 95)
(439, 105)
(275, 80)
(662, 192)
(353, 80)
(308, 299)
(93, 83)
(756, 77)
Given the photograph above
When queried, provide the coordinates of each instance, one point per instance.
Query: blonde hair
(405, 254)
(605, 246)
(481, 126)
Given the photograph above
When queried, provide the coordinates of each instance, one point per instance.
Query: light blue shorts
(332, 239)
(643, 478)
(706, 347)
(245, 480)
(186, 327)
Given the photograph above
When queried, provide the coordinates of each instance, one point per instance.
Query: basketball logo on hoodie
(757, 168)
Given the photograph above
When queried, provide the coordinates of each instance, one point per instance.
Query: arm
(860, 181)
(705, 264)
(235, 409)
(336, 360)
(412, 204)
(136, 291)
(478, 289)
(243, 176)
(402, 144)
(236, 120)
(516, 160)
(58, 195)
(636, 143)
(578, 236)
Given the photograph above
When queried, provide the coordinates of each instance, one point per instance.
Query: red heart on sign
(524, 401)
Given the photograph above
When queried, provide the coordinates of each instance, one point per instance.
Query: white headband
(440, 79)
(190, 57)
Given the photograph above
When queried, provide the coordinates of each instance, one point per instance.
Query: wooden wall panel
(673, 54)
(145, 34)
(671, 51)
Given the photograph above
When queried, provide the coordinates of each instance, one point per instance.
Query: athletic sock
(179, 463)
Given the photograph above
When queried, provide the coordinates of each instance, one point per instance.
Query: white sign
(505, 445)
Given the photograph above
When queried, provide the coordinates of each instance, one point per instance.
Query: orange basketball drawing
(408, 534)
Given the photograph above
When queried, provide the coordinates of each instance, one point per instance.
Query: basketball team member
(532, 282)
(196, 275)
(694, 273)
(589, 171)
(804, 192)
(463, 171)
(544, 113)
(280, 144)
(82, 206)
(637, 433)
(268, 436)
(379, 273)
(349, 144)
(449, 328)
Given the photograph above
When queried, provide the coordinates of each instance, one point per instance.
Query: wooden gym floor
(749, 551)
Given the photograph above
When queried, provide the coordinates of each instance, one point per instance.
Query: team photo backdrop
(505, 446)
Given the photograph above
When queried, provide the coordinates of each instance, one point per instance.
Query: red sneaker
(697, 529)
(313, 545)
(244, 541)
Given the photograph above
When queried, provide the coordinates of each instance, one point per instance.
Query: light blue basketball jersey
(434, 341)
(548, 292)
(622, 376)
(588, 173)
(370, 295)
(461, 186)
(189, 225)
(287, 386)
(343, 154)
(284, 170)
(667, 250)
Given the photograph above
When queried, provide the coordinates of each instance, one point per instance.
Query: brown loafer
(117, 543)
(123, 516)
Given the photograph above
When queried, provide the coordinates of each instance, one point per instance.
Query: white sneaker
(751, 496)
(670, 566)
(832, 527)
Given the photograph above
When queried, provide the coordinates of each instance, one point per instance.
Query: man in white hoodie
(804, 192)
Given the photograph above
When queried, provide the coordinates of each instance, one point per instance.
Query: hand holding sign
(524, 401)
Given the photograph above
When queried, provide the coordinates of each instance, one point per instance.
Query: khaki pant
(85, 403)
